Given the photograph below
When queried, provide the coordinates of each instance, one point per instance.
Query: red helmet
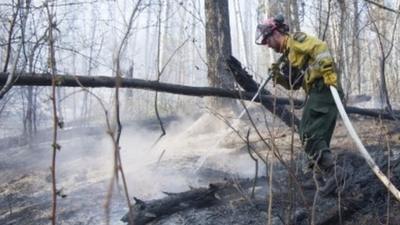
(267, 27)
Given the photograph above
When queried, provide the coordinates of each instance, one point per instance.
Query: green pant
(318, 121)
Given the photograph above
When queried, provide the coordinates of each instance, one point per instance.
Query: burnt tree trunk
(218, 46)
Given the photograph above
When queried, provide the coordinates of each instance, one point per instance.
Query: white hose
(361, 147)
(261, 87)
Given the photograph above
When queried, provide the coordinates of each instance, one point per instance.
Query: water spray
(200, 162)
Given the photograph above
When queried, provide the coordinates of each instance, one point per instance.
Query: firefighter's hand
(274, 70)
(277, 76)
(330, 79)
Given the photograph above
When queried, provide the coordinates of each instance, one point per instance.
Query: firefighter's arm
(324, 60)
(277, 76)
(328, 72)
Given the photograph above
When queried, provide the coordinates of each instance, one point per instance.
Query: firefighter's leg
(316, 128)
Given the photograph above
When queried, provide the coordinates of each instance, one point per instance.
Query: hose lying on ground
(361, 147)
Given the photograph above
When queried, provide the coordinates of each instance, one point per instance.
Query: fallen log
(110, 82)
(215, 194)
(44, 79)
(144, 212)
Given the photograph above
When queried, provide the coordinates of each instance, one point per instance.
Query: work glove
(328, 72)
(330, 79)
(277, 77)
(274, 70)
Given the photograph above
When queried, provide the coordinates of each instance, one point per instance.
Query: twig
(240, 190)
(160, 71)
(292, 192)
(160, 157)
(270, 193)
(256, 162)
(110, 132)
(383, 7)
(316, 195)
(276, 153)
(158, 75)
(118, 168)
(55, 145)
(389, 152)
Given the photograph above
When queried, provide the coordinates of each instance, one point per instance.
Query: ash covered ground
(193, 154)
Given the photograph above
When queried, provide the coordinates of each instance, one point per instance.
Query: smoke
(176, 162)
(180, 158)
(195, 152)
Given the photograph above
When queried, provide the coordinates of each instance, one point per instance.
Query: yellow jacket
(312, 55)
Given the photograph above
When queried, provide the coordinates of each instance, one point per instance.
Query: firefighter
(307, 63)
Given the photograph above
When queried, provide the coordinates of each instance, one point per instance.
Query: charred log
(196, 198)
(144, 212)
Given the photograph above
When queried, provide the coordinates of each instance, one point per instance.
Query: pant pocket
(316, 112)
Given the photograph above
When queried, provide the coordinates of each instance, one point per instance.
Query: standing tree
(218, 46)
(379, 22)
(355, 46)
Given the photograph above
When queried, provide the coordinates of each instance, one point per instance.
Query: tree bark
(295, 23)
(218, 46)
(356, 65)
(109, 82)
(241, 36)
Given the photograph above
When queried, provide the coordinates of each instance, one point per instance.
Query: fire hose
(364, 153)
(261, 87)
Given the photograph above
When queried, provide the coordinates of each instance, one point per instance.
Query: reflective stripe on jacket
(306, 49)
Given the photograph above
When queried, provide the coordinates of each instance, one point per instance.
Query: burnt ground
(362, 200)
(25, 194)
(25, 188)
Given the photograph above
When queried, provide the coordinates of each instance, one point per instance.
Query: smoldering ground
(85, 165)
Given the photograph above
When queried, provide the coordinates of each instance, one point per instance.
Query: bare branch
(118, 168)
(52, 67)
(383, 7)
(7, 86)
(10, 34)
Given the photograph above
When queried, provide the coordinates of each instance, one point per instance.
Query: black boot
(313, 169)
(335, 180)
(334, 175)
